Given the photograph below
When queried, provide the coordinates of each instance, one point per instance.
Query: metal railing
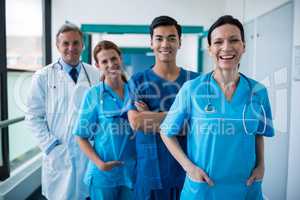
(8, 122)
(5, 163)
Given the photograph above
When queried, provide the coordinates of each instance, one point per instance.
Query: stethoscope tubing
(209, 108)
(105, 91)
(82, 65)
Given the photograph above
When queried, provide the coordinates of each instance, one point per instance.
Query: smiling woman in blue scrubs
(110, 174)
(227, 115)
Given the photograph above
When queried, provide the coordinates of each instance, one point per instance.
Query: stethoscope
(114, 113)
(82, 65)
(209, 108)
(103, 91)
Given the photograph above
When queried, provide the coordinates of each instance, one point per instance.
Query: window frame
(47, 59)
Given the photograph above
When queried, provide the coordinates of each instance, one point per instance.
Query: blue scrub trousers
(114, 193)
(170, 194)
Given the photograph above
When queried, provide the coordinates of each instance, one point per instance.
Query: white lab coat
(52, 108)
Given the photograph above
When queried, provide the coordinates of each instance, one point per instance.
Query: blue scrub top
(156, 168)
(102, 119)
(217, 141)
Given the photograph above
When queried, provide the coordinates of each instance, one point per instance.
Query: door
(137, 60)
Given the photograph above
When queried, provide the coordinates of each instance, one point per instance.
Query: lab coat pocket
(195, 190)
(57, 160)
(254, 191)
(57, 99)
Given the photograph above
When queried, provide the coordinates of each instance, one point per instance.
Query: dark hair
(164, 21)
(107, 45)
(226, 19)
(68, 27)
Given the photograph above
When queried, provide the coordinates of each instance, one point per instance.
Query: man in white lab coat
(54, 99)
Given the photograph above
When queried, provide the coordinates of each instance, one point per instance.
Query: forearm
(193, 172)
(87, 148)
(177, 152)
(146, 121)
(259, 170)
(259, 143)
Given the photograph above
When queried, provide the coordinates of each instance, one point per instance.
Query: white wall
(188, 53)
(246, 10)
(207, 60)
(190, 12)
(294, 147)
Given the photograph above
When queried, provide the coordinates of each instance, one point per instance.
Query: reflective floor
(37, 195)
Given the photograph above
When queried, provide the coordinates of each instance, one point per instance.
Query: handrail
(6, 123)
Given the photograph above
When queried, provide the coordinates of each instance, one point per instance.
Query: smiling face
(69, 45)
(165, 42)
(109, 62)
(226, 47)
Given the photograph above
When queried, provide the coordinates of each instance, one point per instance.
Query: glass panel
(24, 38)
(24, 28)
(21, 140)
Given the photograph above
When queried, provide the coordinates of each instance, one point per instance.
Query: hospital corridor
(149, 100)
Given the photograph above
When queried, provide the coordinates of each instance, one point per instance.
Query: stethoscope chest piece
(209, 108)
(255, 106)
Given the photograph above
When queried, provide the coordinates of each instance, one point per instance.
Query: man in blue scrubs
(159, 176)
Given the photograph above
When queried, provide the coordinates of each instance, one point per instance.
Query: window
(24, 34)
(25, 47)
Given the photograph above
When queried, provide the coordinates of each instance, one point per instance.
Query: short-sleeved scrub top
(217, 140)
(102, 119)
(156, 168)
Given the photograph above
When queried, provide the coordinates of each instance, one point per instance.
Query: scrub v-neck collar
(114, 94)
(157, 77)
(241, 92)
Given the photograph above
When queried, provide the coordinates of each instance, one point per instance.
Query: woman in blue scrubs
(227, 115)
(110, 174)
